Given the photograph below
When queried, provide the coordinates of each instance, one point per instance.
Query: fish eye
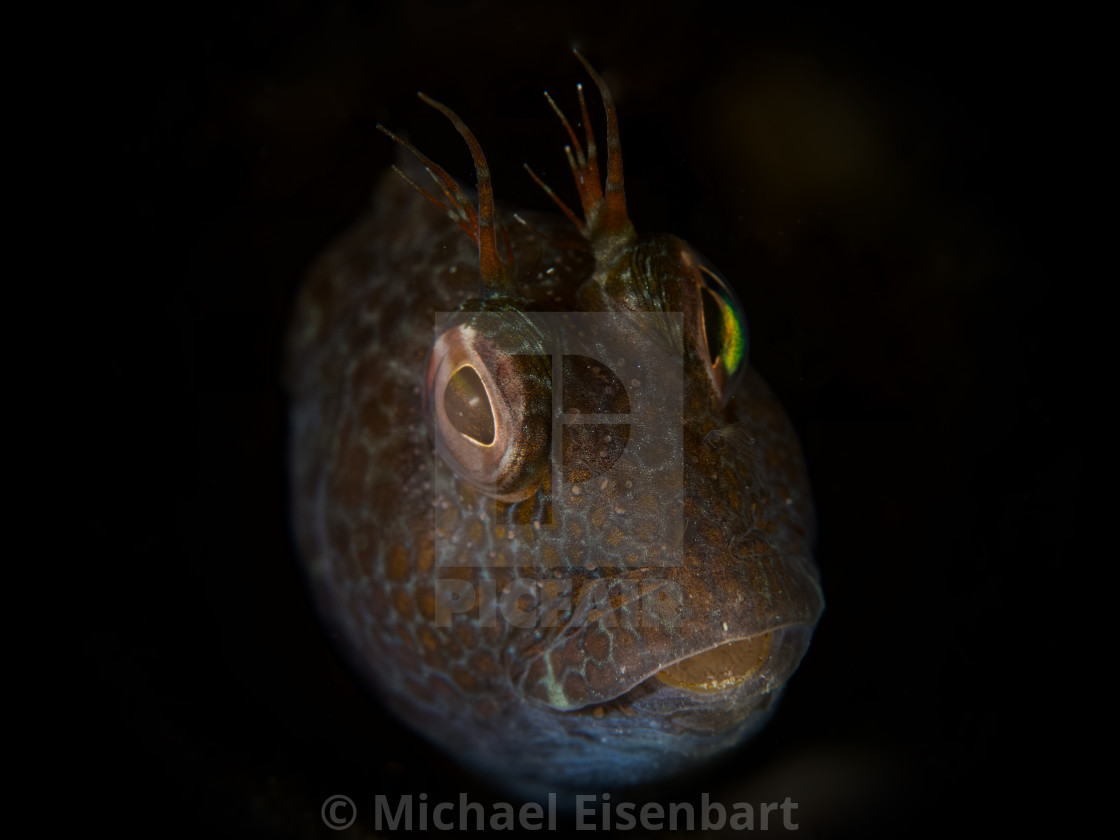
(488, 403)
(468, 407)
(725, 332)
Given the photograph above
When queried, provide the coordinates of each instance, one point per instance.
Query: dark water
(882, 193)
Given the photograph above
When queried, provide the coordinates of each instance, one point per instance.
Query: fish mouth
(719, 669)
(729, 655)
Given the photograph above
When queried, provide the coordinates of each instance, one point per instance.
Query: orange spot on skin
(567, 656)
(426, 556)
(623, 644)
(396, 567)
(465, 680)
(426, 603)
(403, 604)
(483, 663)
(753, 546)
(598, 644)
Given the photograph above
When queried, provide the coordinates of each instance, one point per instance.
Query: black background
(886, 193)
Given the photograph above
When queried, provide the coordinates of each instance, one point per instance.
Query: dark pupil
(468, 407)
(713, 324)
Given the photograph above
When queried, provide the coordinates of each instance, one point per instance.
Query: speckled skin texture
(569, 700)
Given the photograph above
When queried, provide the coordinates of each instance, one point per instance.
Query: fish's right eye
(488, 401)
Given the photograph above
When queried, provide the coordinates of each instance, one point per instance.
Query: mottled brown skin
(379, 517)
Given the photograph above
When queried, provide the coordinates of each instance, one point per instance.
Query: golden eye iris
(725, 331)
(735, 339)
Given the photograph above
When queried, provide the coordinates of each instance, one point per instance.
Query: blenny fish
(559, 523)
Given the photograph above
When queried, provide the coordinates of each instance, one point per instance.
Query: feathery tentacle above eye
(482, 226)
(612, 218)
(607, 225)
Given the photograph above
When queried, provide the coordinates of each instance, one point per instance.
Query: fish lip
(729, 641)
(768, 662)
(649, 690)
(558, 674)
